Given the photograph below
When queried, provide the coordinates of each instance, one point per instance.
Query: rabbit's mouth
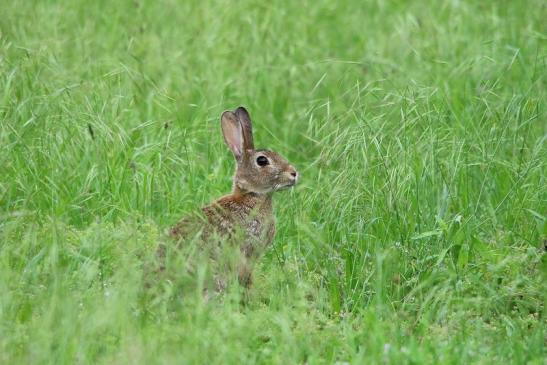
(286, 185)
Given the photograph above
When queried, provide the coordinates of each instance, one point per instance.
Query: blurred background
(417, 234)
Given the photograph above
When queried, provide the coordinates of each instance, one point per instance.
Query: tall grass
(416, 236)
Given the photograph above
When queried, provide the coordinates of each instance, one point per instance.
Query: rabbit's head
(258, 171)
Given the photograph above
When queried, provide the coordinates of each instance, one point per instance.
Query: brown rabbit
(244, 217)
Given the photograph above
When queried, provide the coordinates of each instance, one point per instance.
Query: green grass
(417, 235)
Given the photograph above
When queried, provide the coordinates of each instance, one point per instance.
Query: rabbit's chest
(249, 220)
(259, 235)
(260, 229)
(254, 233)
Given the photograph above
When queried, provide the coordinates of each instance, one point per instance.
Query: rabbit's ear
(245, 120)
(232, 131)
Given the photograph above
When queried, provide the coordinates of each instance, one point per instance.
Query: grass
(417, 235)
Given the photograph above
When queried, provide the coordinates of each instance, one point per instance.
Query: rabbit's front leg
(245, 274)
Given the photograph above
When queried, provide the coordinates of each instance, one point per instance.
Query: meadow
(417, 234)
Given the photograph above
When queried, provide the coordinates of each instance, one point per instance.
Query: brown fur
(248, 209)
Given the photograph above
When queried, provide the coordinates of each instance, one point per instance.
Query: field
(416, 236)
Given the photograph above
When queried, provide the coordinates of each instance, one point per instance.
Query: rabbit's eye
(262, 161)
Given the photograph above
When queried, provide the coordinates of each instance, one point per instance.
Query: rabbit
(244, 217)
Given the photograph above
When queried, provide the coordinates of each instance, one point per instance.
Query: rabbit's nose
(293, 173)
